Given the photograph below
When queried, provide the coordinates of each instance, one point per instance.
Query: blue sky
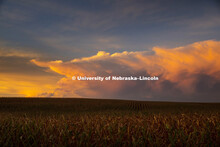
(69, 29)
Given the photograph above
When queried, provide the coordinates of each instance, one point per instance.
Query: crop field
(92, 122)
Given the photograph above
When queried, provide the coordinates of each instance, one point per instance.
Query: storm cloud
(186, 73)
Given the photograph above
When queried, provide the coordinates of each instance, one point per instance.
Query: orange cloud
(190, 71)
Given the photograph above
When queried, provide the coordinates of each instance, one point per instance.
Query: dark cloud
(70, 29)
(1, 3)
(207, 87)
(23, 66)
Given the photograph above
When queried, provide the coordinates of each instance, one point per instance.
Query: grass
(89, 122)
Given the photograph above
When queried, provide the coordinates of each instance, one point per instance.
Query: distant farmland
(95, 122)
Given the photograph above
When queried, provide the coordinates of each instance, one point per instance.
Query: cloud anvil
(181, 71)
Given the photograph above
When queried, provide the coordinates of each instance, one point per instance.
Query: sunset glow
(44, 44)
(181, 67)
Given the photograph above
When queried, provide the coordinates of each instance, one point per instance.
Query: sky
(44, 43)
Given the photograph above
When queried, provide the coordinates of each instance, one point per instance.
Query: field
(92, 122)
